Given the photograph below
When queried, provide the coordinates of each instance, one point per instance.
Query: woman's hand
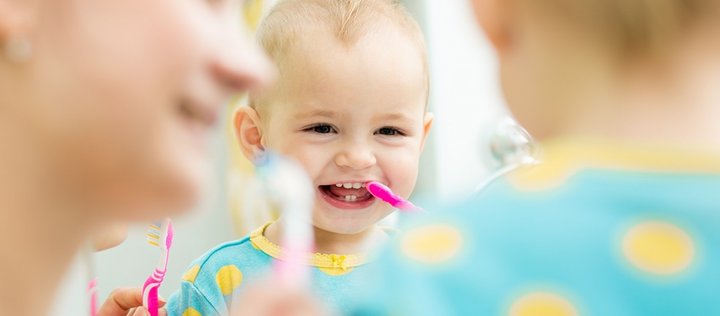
(126, 302)
(141, 311)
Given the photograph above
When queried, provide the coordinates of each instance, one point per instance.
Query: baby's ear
(427, 126)
(247, 130)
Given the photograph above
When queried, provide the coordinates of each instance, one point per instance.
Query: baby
(350, 107)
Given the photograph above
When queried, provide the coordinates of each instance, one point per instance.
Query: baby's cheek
(312, 159)
(403, 174)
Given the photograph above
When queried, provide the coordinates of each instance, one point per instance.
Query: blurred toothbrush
(92, 279)
(290, 189)
(159, 235)
(92, 294)
(384, 193)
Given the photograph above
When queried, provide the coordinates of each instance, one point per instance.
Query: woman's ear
(248, 131)
(493, 17)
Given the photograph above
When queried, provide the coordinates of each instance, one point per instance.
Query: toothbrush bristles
(153, 235)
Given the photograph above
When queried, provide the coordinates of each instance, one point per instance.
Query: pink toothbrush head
(169, 236)
(384, 193)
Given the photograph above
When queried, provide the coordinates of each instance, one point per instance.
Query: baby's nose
(356, 157)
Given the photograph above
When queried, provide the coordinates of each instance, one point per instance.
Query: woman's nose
(242, 66)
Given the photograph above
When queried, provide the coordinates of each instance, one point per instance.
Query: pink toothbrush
(159, 235)
(92, 292)
(384, 193)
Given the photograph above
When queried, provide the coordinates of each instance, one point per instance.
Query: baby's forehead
(349, 114)
(318, 43)
(302, 22)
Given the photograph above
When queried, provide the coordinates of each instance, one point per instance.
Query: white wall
(465, 97)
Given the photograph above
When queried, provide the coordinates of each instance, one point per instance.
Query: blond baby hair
(348, 21)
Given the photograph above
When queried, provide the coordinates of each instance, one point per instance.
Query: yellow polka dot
(191, 274)
(191, 312)
(228, 278)
(542, 304)
(432, 244)
(658, 247)
(335, 271)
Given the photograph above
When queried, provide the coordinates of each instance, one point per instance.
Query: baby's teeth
(350, 185)
(350, 198)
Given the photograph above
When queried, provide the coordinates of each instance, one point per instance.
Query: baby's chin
(343, 228)
(348, 225)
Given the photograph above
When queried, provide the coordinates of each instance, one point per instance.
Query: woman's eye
(389, 131)
(321, 129)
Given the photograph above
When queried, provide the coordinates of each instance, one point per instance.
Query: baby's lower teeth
(350, 198)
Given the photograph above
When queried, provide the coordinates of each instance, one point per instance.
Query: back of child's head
(628, 28)
(573, 66)
(290, 21)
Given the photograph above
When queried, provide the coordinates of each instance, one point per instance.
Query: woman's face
(121, 95)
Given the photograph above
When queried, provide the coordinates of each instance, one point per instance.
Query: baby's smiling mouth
(351, 192)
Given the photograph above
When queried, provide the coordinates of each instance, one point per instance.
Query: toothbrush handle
(150, 291)
(92, 290)
(152, 303)
(407, 206)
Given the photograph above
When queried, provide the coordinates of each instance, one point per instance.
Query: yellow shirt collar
(561, 158)
(320, 260)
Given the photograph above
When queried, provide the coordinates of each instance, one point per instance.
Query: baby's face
(351, 115)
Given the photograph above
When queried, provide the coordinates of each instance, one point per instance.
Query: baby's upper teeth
(350, 185)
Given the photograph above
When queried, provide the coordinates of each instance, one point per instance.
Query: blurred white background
(465, 98)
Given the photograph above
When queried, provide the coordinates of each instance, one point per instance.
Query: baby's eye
(389, 131)
(321, 129)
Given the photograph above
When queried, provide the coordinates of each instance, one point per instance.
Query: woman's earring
(260, 157)
(18, 49)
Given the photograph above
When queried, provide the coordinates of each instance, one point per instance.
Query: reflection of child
(350, 107)
(622, 216)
